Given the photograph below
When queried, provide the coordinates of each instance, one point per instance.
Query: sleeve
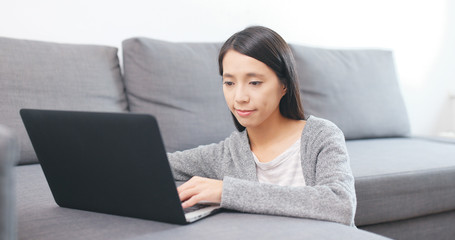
(330, 198)
(200, 161)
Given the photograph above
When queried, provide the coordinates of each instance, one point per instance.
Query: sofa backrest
(180, 84)
(47, 75)
(358, 90)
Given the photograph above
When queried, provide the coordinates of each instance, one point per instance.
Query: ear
(284, 90)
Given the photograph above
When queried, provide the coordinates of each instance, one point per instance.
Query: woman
(278, 162)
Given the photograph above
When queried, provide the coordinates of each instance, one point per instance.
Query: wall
(420, 32)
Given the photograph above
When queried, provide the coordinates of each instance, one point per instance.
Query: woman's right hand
(199, 189)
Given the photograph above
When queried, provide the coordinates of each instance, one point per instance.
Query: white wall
(420, 32)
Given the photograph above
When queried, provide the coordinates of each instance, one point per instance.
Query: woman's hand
(200, 189)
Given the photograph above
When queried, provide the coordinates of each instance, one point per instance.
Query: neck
(268, 132)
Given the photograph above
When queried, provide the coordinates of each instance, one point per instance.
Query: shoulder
(320, 126)
(321, 133)
(237, 140)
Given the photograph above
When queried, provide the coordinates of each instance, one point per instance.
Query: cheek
(270, 98)
(227, 97)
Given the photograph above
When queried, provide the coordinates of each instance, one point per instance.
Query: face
(252, 90)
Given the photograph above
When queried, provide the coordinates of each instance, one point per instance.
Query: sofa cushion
(401, 178)
(47, 75)
(355, 89)
(39, 217)
(435, 227)
(179, 83)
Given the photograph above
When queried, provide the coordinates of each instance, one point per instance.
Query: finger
(188, 184)
(191, 202)
(184, 187)
(188, 193)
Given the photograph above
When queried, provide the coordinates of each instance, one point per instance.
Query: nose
(241, 95)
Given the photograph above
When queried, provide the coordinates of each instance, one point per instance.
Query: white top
(284, 170)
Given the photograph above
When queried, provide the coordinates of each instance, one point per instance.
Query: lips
(244, 113)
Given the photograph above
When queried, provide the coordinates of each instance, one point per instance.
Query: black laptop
(111, 163)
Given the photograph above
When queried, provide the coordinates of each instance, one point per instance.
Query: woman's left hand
(200, 189)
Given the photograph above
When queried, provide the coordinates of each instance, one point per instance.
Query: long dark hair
(267, 46)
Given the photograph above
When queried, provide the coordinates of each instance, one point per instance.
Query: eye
(228, 83)
(255, 83)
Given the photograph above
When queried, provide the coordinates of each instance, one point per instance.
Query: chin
(247, 125)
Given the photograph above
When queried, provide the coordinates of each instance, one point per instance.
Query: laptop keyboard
(195, 208)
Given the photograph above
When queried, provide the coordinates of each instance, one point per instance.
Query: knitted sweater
(329, 193)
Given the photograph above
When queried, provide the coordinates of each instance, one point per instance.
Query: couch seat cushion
(400, 178)
(40, 218)
(48, 75)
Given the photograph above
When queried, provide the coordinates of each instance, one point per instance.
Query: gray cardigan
(329, 193)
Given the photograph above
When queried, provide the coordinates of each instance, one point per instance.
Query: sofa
(405, 184)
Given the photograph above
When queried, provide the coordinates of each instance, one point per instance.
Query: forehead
(235, 63)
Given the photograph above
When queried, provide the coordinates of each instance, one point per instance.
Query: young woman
(278, 162)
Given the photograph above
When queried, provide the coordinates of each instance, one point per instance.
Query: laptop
(112, 163)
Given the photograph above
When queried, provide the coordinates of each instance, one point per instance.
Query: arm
(331, 196)
(196, 166)
(200, 161)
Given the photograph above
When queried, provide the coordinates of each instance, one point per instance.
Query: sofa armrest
(9, 155)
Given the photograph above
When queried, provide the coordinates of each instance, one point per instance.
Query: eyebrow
(251, 74)
(258, 75)
(227, 75)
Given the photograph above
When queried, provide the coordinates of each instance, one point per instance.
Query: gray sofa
(405, 185)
